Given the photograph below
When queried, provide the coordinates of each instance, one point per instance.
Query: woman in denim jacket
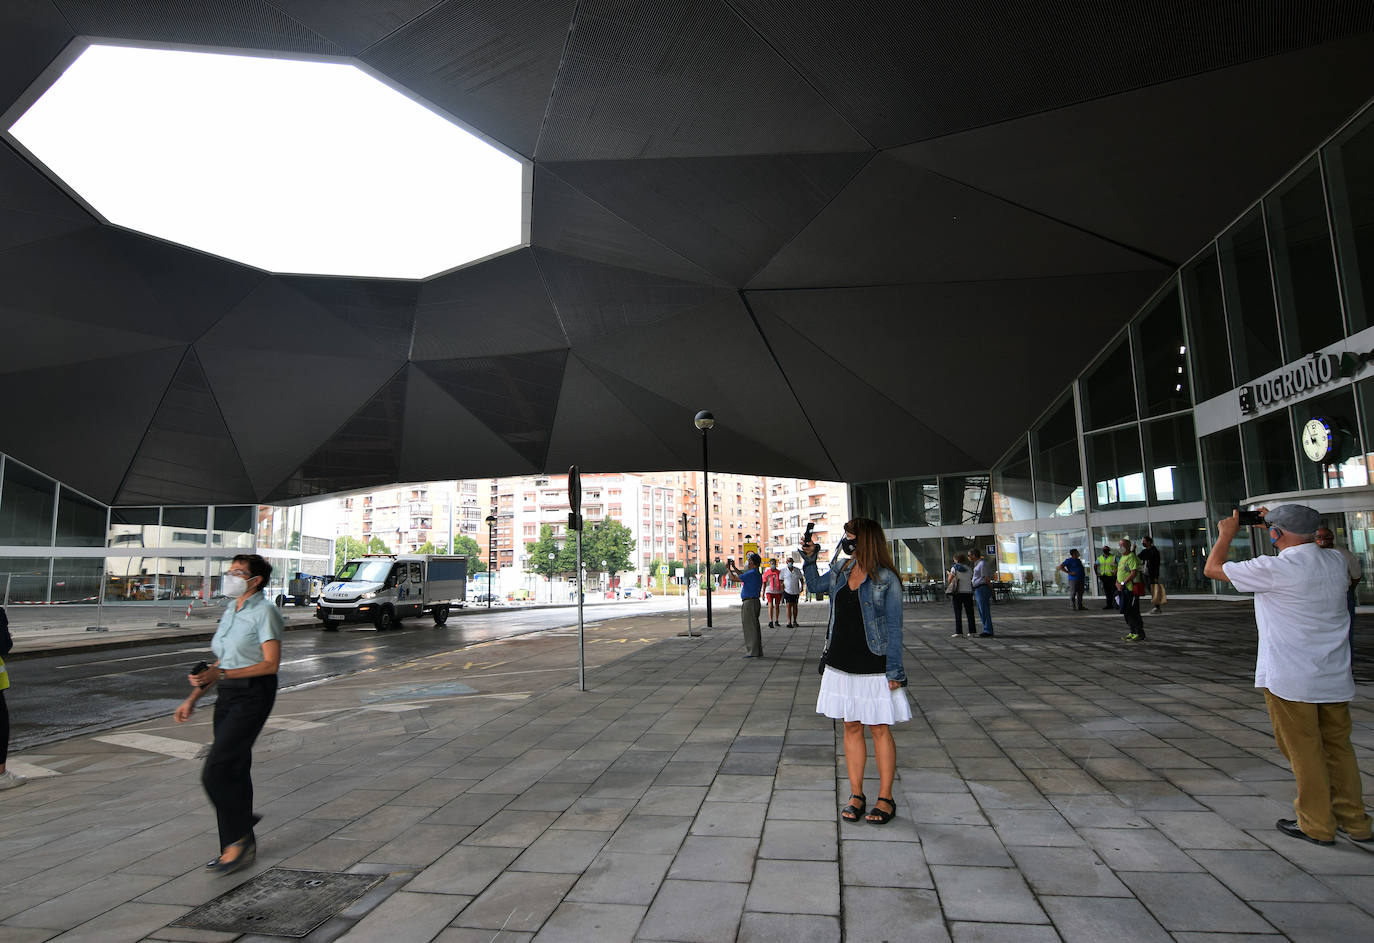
(863, 678)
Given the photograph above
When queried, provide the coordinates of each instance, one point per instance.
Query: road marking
(286, 723)
(167, 746)
(30, 770)
(110, 661)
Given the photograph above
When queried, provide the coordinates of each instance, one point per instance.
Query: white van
(385, 588)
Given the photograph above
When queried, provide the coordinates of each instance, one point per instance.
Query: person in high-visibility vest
(8, 778)
(1106, 576)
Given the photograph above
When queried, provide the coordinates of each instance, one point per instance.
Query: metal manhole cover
(281, 902)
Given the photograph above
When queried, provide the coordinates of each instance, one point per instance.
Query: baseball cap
(1294, 519)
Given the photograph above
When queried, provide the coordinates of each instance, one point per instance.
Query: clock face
(1316, 439)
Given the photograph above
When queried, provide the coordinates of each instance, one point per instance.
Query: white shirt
(980, 573)
(792, 580)
(1304, 629)
(1352, 563)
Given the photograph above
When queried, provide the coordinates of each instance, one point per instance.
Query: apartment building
(408, 517)
(795, 502)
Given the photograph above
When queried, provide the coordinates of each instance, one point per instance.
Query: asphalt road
(82, 692)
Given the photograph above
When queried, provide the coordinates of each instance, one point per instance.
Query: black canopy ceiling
(875, 239)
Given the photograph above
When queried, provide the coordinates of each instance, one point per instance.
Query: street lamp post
(491, 554)
(706, 422)
(607, 577)
(552, 557)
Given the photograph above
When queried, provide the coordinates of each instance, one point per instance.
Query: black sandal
(850, 812)
(882, 817)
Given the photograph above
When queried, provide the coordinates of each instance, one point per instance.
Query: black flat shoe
(246, 857)
(877, 816)
(850, 812)
(1290, 827)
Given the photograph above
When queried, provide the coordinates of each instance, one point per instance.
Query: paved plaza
(1055, 784)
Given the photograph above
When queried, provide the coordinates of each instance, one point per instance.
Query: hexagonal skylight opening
(309, 166)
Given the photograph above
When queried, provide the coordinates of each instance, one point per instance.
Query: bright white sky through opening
(290, 166)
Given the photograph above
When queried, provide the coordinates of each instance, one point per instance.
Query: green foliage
(345, 549)
(295, 542)
(611, 541)
(377, 545)
(539, 551)
(427, 547)
(477, 560)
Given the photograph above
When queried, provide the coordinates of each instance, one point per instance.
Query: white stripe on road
(111, 661)
(167, 746)
(29, 770)
(286, 723)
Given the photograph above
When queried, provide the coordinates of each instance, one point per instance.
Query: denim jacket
(880, 600)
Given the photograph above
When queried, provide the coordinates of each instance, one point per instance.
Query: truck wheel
(383, 618)
(299, 601)
(281, 602)
(440, 615)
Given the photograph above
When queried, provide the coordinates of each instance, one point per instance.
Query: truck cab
(386, 588)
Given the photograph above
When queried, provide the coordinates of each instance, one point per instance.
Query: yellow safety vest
(1106, 565)
(4, 676)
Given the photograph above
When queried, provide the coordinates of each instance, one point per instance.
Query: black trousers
(1130, 611)
(963, 603)
(240, 712)
(1108, 591)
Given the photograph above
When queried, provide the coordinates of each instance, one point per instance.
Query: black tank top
(848, 650)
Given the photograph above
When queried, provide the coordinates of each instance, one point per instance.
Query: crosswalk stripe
(167, 746)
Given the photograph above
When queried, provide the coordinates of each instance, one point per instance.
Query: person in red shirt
(772, 588)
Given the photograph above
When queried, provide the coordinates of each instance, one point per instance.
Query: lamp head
(705, 421)
(491, 518)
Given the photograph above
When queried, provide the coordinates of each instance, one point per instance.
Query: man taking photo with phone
(1303, 666)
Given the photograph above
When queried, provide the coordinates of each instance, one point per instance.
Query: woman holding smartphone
(863, 677)
(247, 647)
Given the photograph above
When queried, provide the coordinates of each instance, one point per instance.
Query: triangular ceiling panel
(596, 431)
(499, 307)
(32, 207)
(568, 221)
(105, 408)
(32, 33)
(379, 314)
(353, 25)
(729, 215)
(490, 63)
(681, 78)
(950, 374)
(187, 455)
(53, 341)
(243, 24)
(515, 396)
(595, 300)
(364, 452)
(1098, 165)
(899, 224)
(443, 439)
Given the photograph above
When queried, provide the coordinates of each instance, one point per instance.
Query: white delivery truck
(385, 588)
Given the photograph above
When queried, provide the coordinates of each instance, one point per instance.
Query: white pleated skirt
(865, 698)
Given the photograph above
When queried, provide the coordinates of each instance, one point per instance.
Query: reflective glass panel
(1350, 177)
(1054, 550)
(1171, 456)
(1058, 476)
(1224, 476)
(1115, 470)
(1018, 562)
(1108, 390)
(26, 507)
(232, 527)
(1346, 465)
(1359, 540)
(1163, 357)
(1208, 348)
(965, 499)
(871, 500)
(919, 559)
(1012, 496)
(1270, 460)
(23, 579)
(184, 526)
(180, 578)
(1304, 269)
(80, 521)
(130, 579)
(916, 502)
(133, 527)
(1249, 298)
(77, 579)
(1182, 547)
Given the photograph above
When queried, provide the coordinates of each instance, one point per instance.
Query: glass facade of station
(58, 546)
(1195, 407)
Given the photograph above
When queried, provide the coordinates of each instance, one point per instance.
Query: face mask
(235, 585)
(847, 546)
(1274, 540)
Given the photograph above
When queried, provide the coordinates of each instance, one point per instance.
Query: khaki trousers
(1315, 739)
(753, 635)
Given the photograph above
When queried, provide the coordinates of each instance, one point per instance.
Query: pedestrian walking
(1150, 569)
(1130, 586)
(772, 590)
(1072, 568)
(8, 778)
(862, 675)
(791, 590)
(247, 647)
(960, 589)
(982, 590)
(1106, 577)
(1303, 667)
(750, 587)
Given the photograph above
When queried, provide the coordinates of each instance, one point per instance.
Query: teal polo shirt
(238, 640)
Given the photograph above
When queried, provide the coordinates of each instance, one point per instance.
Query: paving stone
(805, 777)
(1319, 923)
(671, 800)
(795, 887)
(738, 788)
(1197, 902)
(885, 864)
(650, 834)
(805, 804)
(562, 850)
(1263, 875)
(66, 910)
(788, 928)
(1009, 794)
(885, 913)
(407, 916)
(512, 829)
(1033, 827)
(715, 859)
(128, 921)
(944, 808)
(1067, 871)
(799, 841)
(1132, 849)
(750, 764)
(467, 869)
(1003, 933)
(1095, 919)
(575, 922)
(547, 796)
(963, 844)
(731, 819)
(998, 895)
(695, 912)
(683, 773)
(617, 878)
(1098, 811)
(517, 900)
(1201, 830)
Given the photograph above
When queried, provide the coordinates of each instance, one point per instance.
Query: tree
(377, 545)
(427, 547)
(539, 551)
(477, 562)
(345, 549)
(611, 541)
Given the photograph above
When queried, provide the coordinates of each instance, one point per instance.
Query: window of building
(1249, 295)
(1012, 493)
(1350, 175)
(232, 527)
(1270, 457)
(965, 499)
(80, 521)
(26, 507)
(1223, 472)
(916, 503)
(1304, 268)
(1058, 476)
(1165, 386)
(1171, 457)
(1115, 469)
(920, 559)
(1054, 550)
(1108, 390)
(1208, 348)
(871, 500)
(23, 580)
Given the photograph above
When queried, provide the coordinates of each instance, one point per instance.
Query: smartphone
(810, 526)
(198, 667)
(1251, 519)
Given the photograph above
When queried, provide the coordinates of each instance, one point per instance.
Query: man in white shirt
(791, 591)
(1304, 668)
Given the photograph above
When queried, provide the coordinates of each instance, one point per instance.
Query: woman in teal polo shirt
(247, 647)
